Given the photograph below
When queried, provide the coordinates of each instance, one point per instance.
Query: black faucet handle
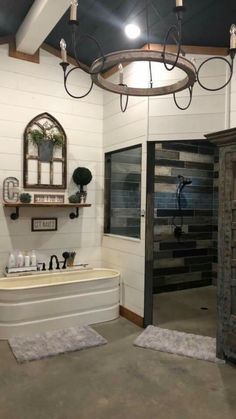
(64, 264)
(43, 266)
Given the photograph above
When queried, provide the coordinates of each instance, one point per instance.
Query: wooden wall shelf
(18, 205)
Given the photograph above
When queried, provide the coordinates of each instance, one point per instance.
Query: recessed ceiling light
(132, 31)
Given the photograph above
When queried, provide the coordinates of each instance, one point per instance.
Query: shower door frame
(149, 235)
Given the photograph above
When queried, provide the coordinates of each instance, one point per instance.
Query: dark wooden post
(226, 286)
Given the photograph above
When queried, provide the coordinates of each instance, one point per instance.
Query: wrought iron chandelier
(120, 58)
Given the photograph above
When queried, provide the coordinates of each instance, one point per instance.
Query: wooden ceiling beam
(34, 58)
(38, 23)
(191, 49)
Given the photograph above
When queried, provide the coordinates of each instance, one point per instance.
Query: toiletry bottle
(27, 260)
(20, 259)
(33, 258)
(11, 261)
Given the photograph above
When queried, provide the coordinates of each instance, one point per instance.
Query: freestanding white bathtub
(55, 300)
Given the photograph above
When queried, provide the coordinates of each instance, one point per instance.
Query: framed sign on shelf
(49, 199)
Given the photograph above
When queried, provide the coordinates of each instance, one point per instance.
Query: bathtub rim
(116, 274)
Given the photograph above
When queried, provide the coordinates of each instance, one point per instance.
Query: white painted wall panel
(124, 130)
(188, 124)
(27, 89)
(205, 114)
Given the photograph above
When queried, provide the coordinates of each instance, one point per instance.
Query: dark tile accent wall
(192, 261)
(123, 191)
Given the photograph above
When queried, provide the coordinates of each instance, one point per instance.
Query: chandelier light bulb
(132, 31)
(232, 36)
(63, 50)
(73, 10)
(179, 3)
(63, 44)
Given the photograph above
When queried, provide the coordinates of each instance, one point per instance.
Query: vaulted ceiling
(205, 23)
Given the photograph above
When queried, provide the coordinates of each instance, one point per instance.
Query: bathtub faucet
(51, 262)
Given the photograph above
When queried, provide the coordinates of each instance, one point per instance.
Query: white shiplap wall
(205, 114)
(149, 120)
(27, 89)
(124, 130)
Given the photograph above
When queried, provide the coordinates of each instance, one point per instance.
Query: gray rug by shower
(43, 345)
(179, 343)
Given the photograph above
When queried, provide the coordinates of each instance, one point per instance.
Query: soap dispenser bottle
(27, 260)
(33, 258)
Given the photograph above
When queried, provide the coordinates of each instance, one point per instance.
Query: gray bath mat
(179, 343)
(42, 345)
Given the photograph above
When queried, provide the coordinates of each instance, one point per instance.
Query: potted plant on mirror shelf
(45, 138)
(81, 177)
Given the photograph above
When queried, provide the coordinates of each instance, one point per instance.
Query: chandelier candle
(121, 73)
(73, 10)
(233, 37)
(63, 51)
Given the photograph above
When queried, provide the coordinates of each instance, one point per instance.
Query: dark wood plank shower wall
(191, 261)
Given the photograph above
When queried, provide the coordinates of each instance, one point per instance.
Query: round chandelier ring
(214, 59)
(171, 30)
(94, 40)
(66, 88)
(122, 106)
(183, 108)
(130, 56)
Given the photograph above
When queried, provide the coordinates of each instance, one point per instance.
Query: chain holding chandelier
(120, 58)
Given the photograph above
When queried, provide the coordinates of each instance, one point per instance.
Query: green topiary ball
(82, 176)
(25, 198)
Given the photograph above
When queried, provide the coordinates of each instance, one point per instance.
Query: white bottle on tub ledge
(27, 260)
(20, 259)
(33, 258)
(11, 261)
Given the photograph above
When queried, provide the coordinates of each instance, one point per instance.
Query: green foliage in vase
(36, 137)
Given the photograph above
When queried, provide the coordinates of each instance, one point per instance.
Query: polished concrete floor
(116, 381)
(182, 310)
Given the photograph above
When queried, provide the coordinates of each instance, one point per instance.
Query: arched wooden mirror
(44, 153)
